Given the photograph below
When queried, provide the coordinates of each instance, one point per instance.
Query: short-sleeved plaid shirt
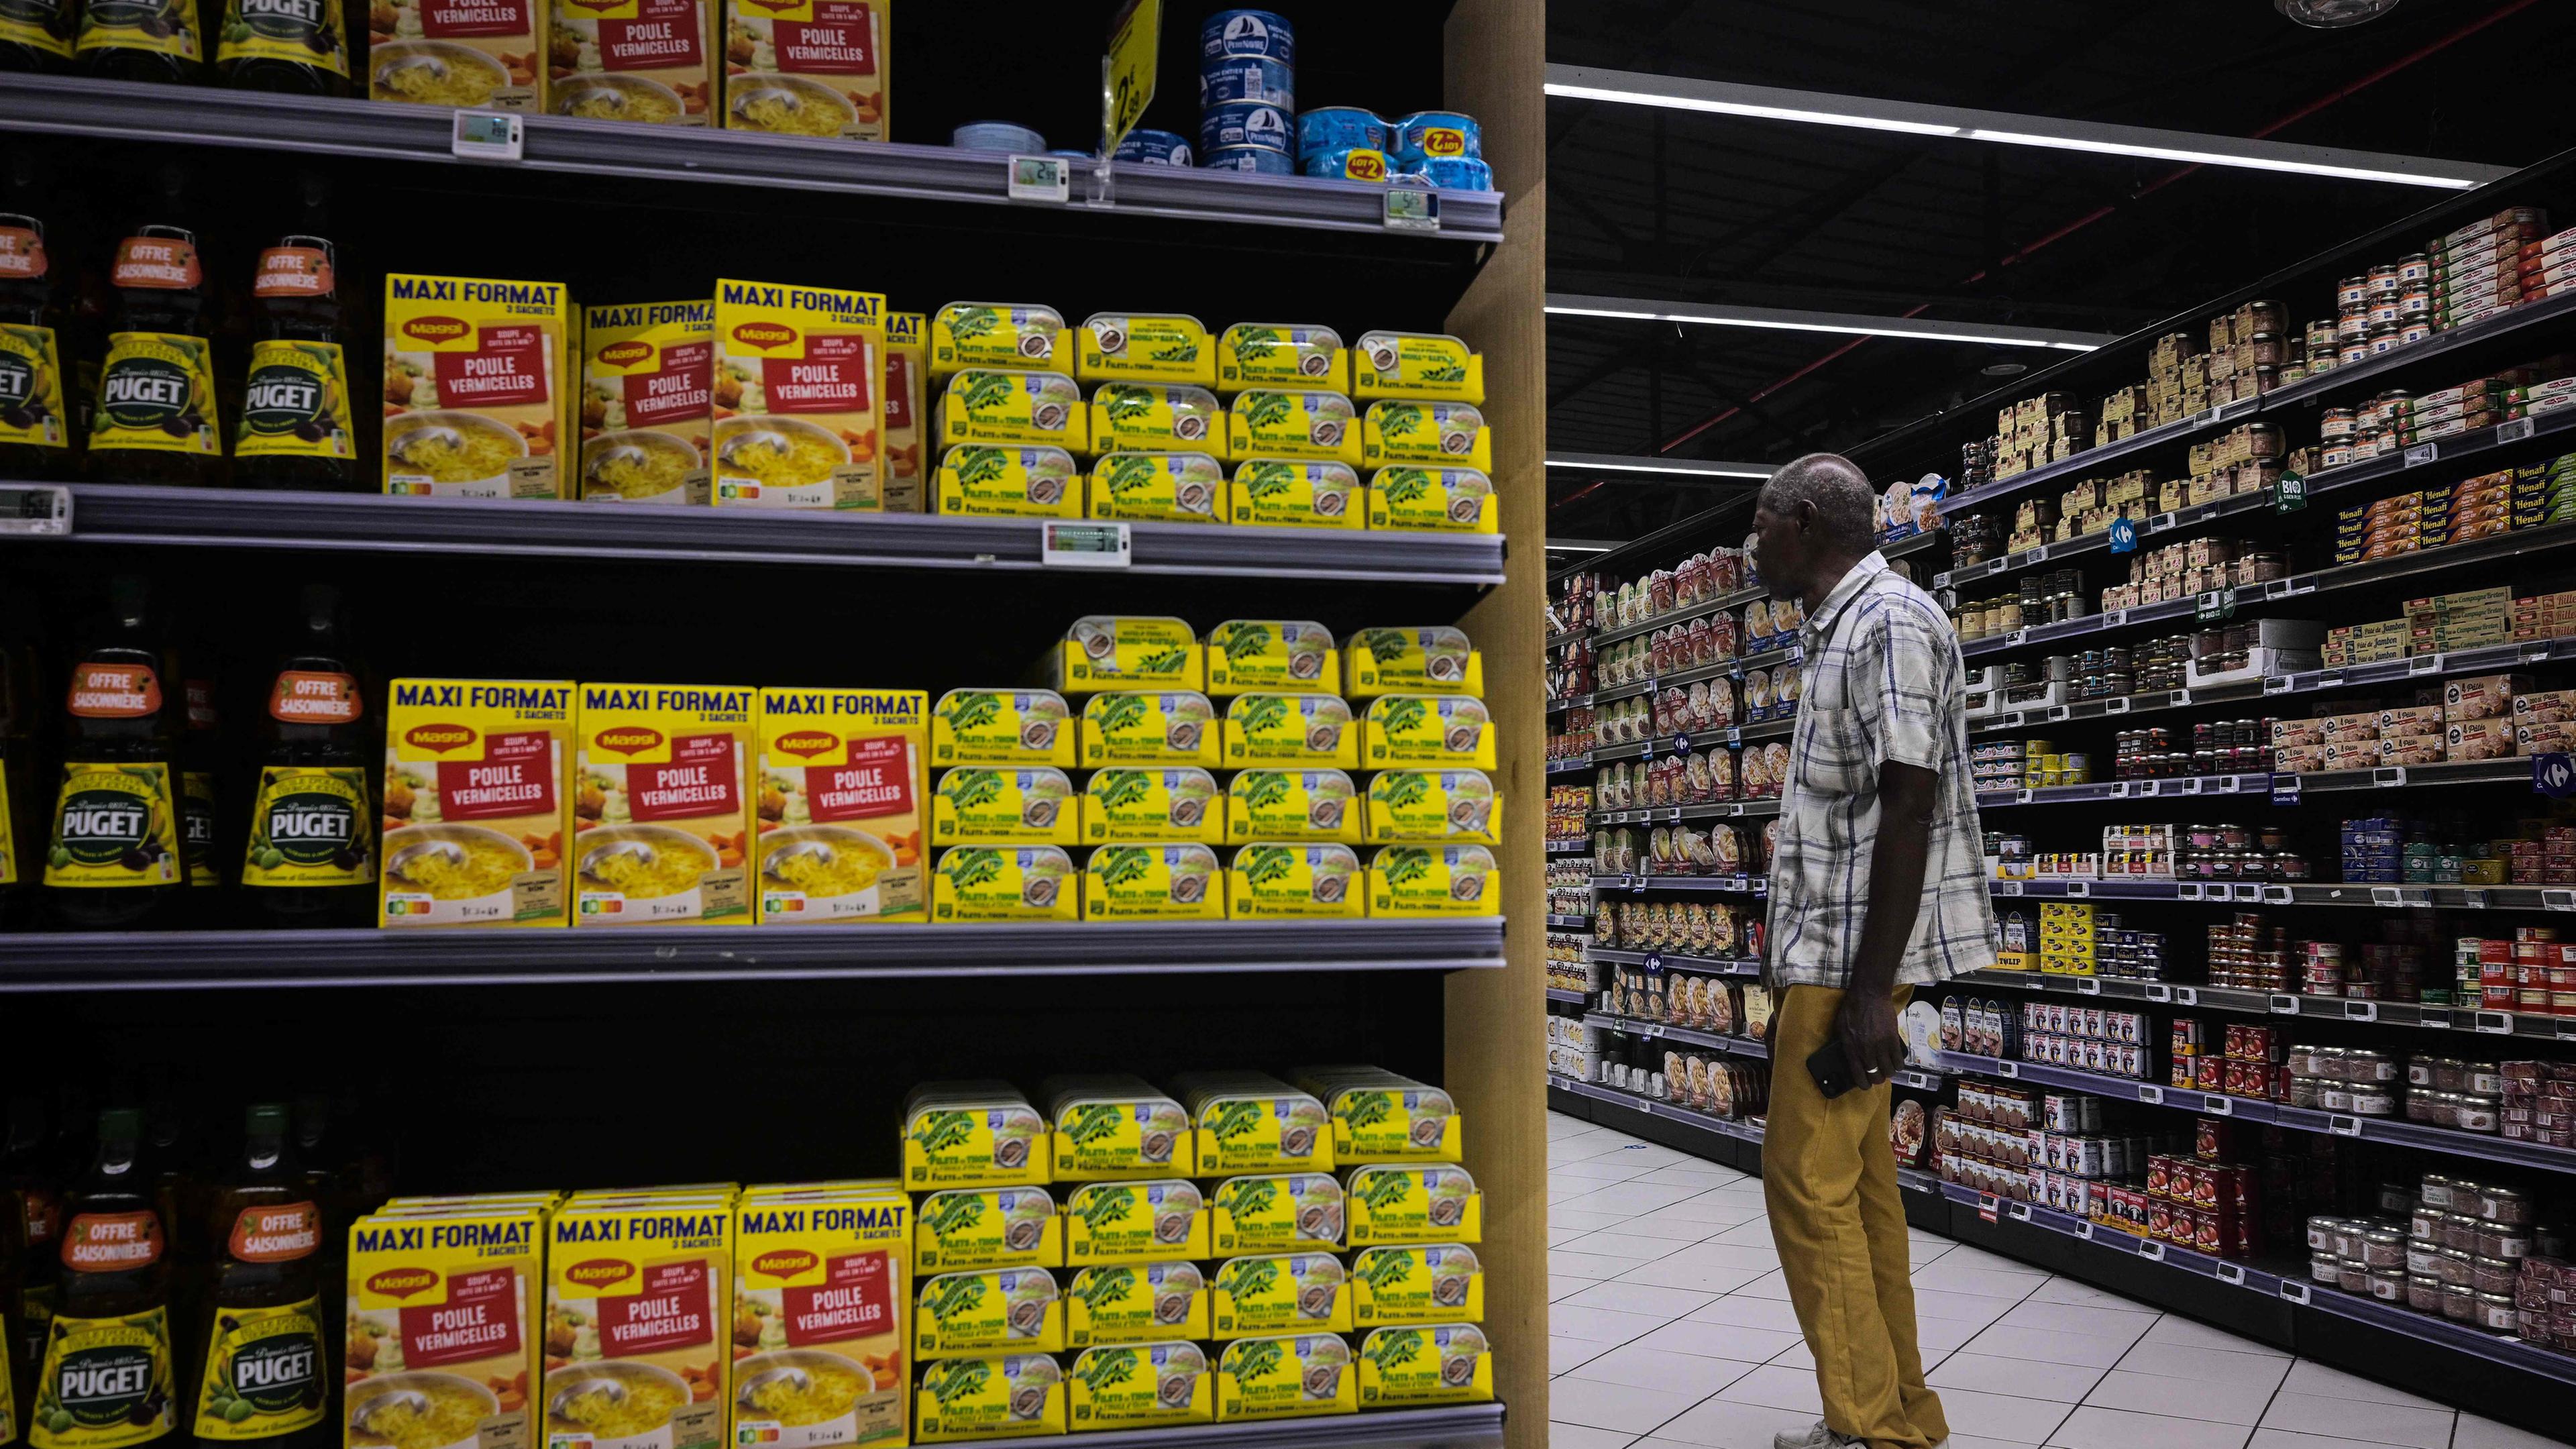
(1883, 681)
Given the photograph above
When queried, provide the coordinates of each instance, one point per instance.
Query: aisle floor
(1670, 1328)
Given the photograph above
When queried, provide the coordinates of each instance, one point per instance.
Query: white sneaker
(1815, 1437)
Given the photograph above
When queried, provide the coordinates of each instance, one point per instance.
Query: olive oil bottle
(300, 47)
(297, 428)
(144, 40)
(262, 1378)
(113, 862)
(155, 418)
(35, 421)
(311, 858)
(106, 1378)
(37, 35)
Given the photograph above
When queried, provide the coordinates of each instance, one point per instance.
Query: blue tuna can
(1246, 123)
(1154, 148)
(1351, 163)
(1341, 128)
(1260, 159)
(1247, 78)
(1446, 173)
(997, 136)
(1441, 133)
(1248, 32)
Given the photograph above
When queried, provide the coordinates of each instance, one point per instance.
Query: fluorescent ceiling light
(1674, 467)
(1868, 113)
(1575, 546)
(1630, 309)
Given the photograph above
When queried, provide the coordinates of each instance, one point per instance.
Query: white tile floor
(1670, 1329)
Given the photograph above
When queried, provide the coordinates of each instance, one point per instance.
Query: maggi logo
(438, 737)
(599, 1272)
(764, 335)
(402, 1282)
(629, 352)
(808, 742)
(627, 741)
(435, 329)
(785, 1263)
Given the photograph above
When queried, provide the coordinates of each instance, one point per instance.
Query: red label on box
(671, 1310)
(855, 1300)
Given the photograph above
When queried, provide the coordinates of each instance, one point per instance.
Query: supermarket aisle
(1670, 1329)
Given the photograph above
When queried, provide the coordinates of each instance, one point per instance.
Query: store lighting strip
(1820, 108)
(1670, 467)
(1637, 309)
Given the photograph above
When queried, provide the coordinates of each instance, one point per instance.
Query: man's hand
(1866, 1024)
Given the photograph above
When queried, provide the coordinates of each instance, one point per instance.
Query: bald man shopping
(1877, 886)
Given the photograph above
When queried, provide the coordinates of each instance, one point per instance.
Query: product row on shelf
(1219, 1263)
(551, 803)
(1715, 1083)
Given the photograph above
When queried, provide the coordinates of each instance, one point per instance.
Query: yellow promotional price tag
(1135, 42)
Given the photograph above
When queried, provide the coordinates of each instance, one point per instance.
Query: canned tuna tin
(1154, 148)
(1341, 128)
(1247, 78)
(1259, 159)
(997, 136)
(1358, 163)
(1248, 32)
(1448, 173)
(1440, 133)
(1244, 123)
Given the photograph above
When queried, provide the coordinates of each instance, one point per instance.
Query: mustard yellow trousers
(1829, 1180)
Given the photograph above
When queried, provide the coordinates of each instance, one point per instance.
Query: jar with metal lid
(2435, 1189)
(2459, 1232)
(2477, 1112)
(2356, 349)
(2483, 1078)
(2336, 1096)
(2424, 1221)
(2414, 267)
(2423, 1105)
(2325, 1268)
(2301, 1060)
(2267, 349)
(2366, 1064)
(2383, 309)
(2413, 330)
(2498, 1240)
(2497, 1313)
(2384, 338)
(2459, 1302)
(2455, 1268)
(2353, 291)
(2424, 1256)
(2388, 1285)
(2371, 1101)
(2493, 1275)
(2306, 1091)
(2351, 1276)
(2383, 276)
(2414, 302)
(2383, 1247)
(2504, 1205)
(2321, 1232)
(2421, 1069)
(2423, 1294)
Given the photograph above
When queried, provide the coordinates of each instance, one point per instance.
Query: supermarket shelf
(1721, 1126)
(2489, 660)
(2447, 1141)
(117, 961)
(2372, 375)
(1680, 961)
(235, 518)
(1755, 884)
(1467, 1426)
(1742, 1046)
(2375, 897)
(1560, 848)
(2092, 460)
(2513, 770)
(1569, 923)
(1702, 739)
(2406, 1323)
(204, 116)
(2282, 1003)
(1574, 998)
(1569, 765)
(1720, 603)
(1697, 673)
(1559, 641)
(1667, 814)
(2227, 1270)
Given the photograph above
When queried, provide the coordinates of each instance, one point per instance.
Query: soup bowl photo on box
(465, 872)
(614, 1406)
(419, 1410)
(654, 869)
(832, 869)
(800, 1398)
(455, 452)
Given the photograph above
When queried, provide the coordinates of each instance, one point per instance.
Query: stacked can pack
(1248, 93)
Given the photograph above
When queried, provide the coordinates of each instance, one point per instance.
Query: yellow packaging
(1446, 1363)
(799, 380)
(477, 803)
(1278, 1212)
(1435, 1283)
(1416, 365)
(999, 482)
(990, 1396)
(1414, 1203)
(1273, 654)
(1131, 347)
(32, 413)
(810, 67)
(1152, 883)
(987, 805)
(1426, 499)
(483, 57)
(1301, 881)
(477, 393)
(1428, 433)
(1271, 803)
(907, 411)
(646, 384)
(1111, 1125)
(662, 807)
(1408, 881)
(1290, 729)
(1135, 1222)
(1381, 1117)
(1448, 806)
(651, 61)
(840, 806)
(1287, 1376)
(1257, 354)
(1158, 487)
(1141, 1386)
(1437, 660)
(1129, 651)
(987, 1310)
(1249, 1121)
(1285, 493)
(445, 1303)
(641, 1295)
(1005, 883)
(1156, 418)
(996, 334)
(119, 1372)
(976, 1133)
(989, 405)
(987, 1227)
(1002, 727)
(1279, 1293)
(1149, 727)
(1140, 802)
(1136, 1303)
(821, 1286)
(1429, 729)
(1294, 424)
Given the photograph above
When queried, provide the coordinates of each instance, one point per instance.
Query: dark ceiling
(1663, 204)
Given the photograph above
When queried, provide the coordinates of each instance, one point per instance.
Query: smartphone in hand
(1831, 1068)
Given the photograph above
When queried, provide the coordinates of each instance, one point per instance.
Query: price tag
(2285, 791)
(2193, 786)
(2214, 605)
(2178, 698)
(2282, 1005)
(2119, 790)
(1986, 1204)
(2388, 778)
(2294, 1292)
(2079, 889)
(2424, 664)
(2567, 1030)
(2513, 430)
(2186, 996)
(1134, 47)
(2219, 1106)
(1041, 178)
(2433, 1017)
(2231, 1273)
(2113, 618)
(2007, 887)
(2058, 712)
(2008, 1069)
(2290, 494)
(2012, 719)
(2119, 705)
(2152, 1251)
(2558, 900)
(2016, 638)
(1411, 208)
(2495, 1023)
(2343, 1126)
(2019, 1212)
(486, 136)
(2276, 895)
(2159, 522)
(2187, 891)
(2475, 900)
(2361, 1011)
(1084, 545)
(2086, 985)
(2385, 896)
(35, 510)
(2422, 453)
(2331, 679)
(2153, 1096)
(2084, 1230)
(1734, 736)
(2156, 991)
(2278, 684)
(2150, 787)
